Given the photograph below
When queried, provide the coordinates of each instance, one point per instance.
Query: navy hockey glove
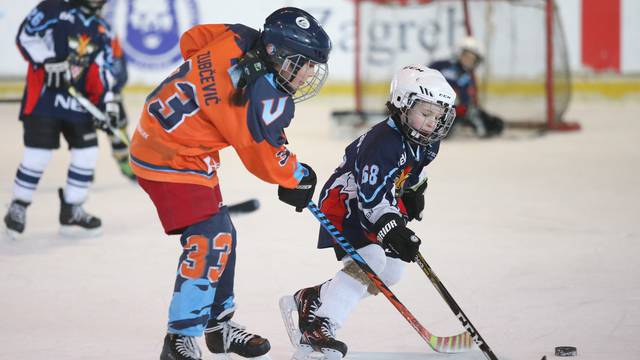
(57, 74)
(396, 237)
(300, 196)
(413, 200)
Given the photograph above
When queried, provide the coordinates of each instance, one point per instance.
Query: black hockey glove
(396, 237)
(413, 200)
(300, 196)
(57, 74)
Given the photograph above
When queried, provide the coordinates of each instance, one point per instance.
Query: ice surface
(537, 239)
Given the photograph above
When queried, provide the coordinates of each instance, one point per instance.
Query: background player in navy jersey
(66, 43)
(370, 198)
(459, 72)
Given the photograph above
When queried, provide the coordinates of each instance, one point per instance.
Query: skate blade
(287, 307)
(229, 357)
(76, 232)
(306, 352)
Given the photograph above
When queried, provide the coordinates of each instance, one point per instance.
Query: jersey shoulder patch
(270, 111)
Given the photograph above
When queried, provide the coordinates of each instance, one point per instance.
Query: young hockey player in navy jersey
(370, 198)
(66, 43)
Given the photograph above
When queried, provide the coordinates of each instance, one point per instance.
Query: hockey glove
(300, 196)
(57, 74)
(113, 104)
(413, 199)
(396, 237)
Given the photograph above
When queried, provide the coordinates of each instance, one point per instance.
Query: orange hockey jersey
(188, 118)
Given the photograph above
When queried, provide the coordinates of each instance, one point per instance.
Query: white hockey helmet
(415, 84)
(472, 45)
(470, 53)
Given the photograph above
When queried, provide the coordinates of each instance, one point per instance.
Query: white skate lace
(328, 328)
(313, 308)
(187, 346)
(232, 332)
(17, 213)
(79, 215)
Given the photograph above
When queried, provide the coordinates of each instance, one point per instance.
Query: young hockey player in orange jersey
(237, 87)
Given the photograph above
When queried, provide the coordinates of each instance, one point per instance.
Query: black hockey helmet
(292, 38)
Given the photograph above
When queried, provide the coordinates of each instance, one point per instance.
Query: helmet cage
(442, 126)
(290, 66)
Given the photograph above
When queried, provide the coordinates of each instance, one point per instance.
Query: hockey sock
(393, 271)
(80, 175)
(29, 172)
(340, 296)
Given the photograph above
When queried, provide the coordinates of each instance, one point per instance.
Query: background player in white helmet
(459, 72)
(370, 198)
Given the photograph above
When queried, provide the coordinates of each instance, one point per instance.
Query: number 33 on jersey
(188, 118)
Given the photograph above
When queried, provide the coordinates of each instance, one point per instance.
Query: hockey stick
(457, 311)
(244, 207)
(444, 344)
(95, 112)
(10, 101)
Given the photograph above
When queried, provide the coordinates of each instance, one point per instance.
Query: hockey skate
(305, 302)
(314, 336)
(180, 347)
(74, 221)
(16, 218)
(224, 336)
(320, 339)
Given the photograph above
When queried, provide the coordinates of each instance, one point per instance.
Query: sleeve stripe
(375, 193)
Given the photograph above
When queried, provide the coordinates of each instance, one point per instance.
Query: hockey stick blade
(96, 113)
(443, 344)
(244, 207)
(457, 311)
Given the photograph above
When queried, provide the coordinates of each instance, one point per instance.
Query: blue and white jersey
(375, 170)
(56, 31)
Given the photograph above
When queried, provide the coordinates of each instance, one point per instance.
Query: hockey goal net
(525, 77)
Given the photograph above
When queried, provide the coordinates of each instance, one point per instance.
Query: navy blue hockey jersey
(56, 31)
(461, 81)
(369, 182)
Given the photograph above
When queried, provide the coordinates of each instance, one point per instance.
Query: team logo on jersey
(402, 178)
(283, 155)
(270, 115)
(150, 30)
(80, 50)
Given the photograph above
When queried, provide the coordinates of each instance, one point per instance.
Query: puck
(566, 351)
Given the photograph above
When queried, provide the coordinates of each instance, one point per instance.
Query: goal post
(525, 78)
